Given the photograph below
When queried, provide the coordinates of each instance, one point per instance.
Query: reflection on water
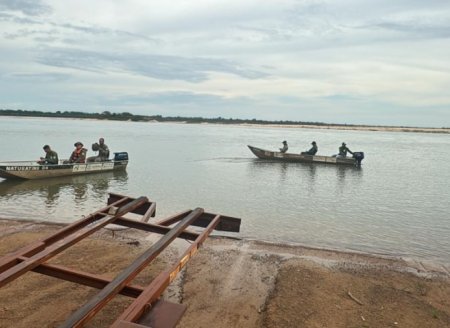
(354, 171)
(312, 172)
(348, 176)
(52, 187)
(259, 166)
(56, 191)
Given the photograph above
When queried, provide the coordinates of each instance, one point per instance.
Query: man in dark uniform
(51, 157)
(312, 151)
(343, 150)
(103, 151)
(285, 147)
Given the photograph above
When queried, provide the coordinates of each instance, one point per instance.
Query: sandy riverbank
(325, 127)
(443, 130)
(354, 127)
(235, 283)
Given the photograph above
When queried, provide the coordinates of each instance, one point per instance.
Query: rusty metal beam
(149, 213)
(84, 278)
(147, 209)
(57, 247)
(173, 219)
(125, 324)
(86, 312)
(227, 223)
(160, 283)
(153, 228)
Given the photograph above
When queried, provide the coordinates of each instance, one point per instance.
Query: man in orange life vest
(79, 154)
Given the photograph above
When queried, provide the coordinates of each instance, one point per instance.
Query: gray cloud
(175, 98)
(155, 66)
(38, 77)
(100, 30)
(39, 35)
(5, 17)
(27, 7)
(414, 28)
(83, 29)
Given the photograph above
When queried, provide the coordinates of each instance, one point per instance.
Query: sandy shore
(325, 127)
(235, 283)
(354, 127)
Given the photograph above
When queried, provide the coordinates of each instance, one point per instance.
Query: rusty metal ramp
(147, 310)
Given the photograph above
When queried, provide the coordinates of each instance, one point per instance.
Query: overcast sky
(384, 62)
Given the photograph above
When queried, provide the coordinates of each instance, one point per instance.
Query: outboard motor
(122, 156)
(359, 156)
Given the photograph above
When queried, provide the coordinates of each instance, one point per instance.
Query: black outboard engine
(359, 156)
(122, 156)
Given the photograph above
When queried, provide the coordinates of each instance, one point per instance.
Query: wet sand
(234, 283)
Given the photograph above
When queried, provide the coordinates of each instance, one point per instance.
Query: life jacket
(76, 154)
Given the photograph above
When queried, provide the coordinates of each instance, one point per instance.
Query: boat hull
(300, 158)
(35, 171)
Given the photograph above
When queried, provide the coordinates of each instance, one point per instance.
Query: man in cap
(79, 154)
(285, 147)
(343, 150)
(312, 151)
(51, 157)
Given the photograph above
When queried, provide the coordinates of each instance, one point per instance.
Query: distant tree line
(106, 115)
(125, 116)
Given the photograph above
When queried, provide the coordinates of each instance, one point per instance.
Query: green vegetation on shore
(125, 116)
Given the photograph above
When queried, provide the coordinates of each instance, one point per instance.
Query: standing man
(51, 157)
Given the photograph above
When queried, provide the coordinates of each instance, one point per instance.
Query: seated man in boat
(285, 147)
(343, 151)
(103, 151)
(79, 154)
(51, 157)
(312, 151)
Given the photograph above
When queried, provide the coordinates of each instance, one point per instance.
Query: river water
(396, 204)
